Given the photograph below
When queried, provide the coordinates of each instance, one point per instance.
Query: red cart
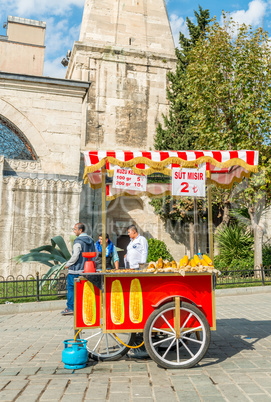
(175, 313)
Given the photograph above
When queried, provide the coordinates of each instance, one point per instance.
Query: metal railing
(21, 287)
(241, 276)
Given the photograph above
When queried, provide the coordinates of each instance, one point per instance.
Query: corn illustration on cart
(175, 313)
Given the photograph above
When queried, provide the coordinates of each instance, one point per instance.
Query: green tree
(228, 96)
(175, 134)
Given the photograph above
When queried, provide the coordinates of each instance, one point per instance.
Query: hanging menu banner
(188, 182)
(126, 179)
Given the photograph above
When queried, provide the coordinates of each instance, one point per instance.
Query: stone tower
(125, 49)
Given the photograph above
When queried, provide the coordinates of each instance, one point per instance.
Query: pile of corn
(194, 265)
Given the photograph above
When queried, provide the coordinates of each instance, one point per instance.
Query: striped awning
(223, 167)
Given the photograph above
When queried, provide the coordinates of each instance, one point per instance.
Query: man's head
(132, 232)
(79, 228)
(101, 238)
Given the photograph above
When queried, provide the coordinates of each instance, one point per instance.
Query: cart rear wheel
(170, 349)
(106, 347)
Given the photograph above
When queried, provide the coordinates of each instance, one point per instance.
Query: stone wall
(49, 113)
(33, 211)
(127, 97)
(40, 199)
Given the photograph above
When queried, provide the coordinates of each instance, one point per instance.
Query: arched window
(13, 144)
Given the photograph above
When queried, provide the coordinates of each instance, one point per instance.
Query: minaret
(125, 49)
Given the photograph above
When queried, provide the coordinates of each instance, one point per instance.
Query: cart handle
(128, 346)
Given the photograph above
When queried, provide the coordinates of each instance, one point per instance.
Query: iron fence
(21, 287)
(241, 276)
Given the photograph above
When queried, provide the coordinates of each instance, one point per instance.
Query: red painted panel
(79, 323)
(197, 288)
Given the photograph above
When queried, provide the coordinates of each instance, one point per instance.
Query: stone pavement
(236, 367)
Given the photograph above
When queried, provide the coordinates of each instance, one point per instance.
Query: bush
(234, 243)
(157, 249)
(267, 255)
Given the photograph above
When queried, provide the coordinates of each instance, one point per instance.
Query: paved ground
(237, 366)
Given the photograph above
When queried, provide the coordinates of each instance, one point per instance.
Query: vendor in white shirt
(137, 249)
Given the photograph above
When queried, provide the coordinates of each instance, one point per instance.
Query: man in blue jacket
(83, 243)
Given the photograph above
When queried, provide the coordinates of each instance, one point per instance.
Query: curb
(53, 305)
(32, 307)
(242, 291)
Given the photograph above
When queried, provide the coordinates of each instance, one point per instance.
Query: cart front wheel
(105, 347)
(177, 339)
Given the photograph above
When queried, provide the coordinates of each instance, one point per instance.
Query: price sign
(188, 182)
(126, 179)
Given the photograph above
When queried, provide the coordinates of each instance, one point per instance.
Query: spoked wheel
(177, 340)
(106, 347)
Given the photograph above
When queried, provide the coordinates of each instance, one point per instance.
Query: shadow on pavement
(233, 336)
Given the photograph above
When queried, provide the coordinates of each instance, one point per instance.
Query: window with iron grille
(13, 143)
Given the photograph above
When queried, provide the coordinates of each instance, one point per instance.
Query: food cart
(174, 311)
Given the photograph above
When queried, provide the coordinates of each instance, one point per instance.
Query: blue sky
(63, 19)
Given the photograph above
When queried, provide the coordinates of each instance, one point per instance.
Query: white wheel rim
(104, 345)
(177, 342)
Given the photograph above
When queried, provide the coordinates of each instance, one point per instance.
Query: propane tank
(75, 354)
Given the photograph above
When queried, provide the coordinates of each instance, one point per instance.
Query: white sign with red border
(126, 179)
(189, 182)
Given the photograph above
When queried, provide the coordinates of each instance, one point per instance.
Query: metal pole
(210, 220)
(38, 286)
(103, 219)
(195, 226)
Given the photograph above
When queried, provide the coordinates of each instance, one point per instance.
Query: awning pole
(196, 246)
(103, 219)
(210, 220)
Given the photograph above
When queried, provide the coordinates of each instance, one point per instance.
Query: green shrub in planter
(157, 249)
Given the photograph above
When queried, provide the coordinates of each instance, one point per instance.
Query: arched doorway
(13, 143)
(121, 213)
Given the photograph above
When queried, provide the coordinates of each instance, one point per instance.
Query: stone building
(113, 96)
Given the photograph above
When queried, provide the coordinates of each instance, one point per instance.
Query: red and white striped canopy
(223, 167)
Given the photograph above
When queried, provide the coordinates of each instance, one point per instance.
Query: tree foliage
(228, 93)
(228, 88)
(157, 249)
(175, 134)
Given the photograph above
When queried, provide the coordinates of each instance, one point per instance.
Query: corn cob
(203, 262)
(196, 259)
(174, 264)
(192, 263)
(185, 260)
(181, 263)
(160, 263)
(135, 302)
(117, 303)
(89, 304)
(207, 259)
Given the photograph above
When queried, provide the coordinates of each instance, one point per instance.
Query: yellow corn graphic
(89, 304)
(117, 303)
(136, 302)
(207, 259)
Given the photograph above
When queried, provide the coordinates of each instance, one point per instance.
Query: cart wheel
(106, 347)
(170, 349)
